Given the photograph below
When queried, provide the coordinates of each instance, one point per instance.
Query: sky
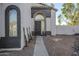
(58, 6)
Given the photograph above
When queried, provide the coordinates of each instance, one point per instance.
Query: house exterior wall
(48, 25)
(2, 29)
(53, 22)
(32, 23)
(25, 11)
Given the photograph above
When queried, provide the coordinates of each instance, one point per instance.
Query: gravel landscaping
(60, 45)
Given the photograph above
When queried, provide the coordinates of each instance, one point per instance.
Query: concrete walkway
(40, 49)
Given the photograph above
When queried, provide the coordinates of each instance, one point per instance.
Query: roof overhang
(49, 7)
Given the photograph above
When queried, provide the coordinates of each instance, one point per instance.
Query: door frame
(41, 13)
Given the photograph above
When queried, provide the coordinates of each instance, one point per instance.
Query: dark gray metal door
(37, 27)
(11, 41)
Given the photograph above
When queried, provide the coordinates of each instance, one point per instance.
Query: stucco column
(53, 22)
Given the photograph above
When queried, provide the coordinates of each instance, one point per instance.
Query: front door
(37, 27)
(12, 37)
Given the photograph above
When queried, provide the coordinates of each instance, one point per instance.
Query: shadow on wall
(27, 35)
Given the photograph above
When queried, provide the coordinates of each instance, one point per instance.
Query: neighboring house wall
(76, 29)
(66, 30)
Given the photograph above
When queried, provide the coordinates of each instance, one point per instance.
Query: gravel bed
(59, 45)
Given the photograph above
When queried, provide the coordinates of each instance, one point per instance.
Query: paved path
(40, 49)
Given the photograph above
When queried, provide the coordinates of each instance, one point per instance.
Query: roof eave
(49, 7)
